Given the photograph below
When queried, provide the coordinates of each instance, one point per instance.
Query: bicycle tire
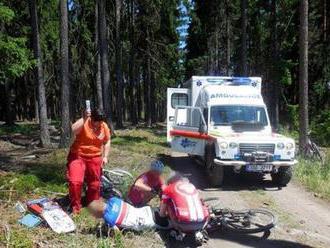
(117, 176)
(119, 172)
(316, 150)
(233, 225)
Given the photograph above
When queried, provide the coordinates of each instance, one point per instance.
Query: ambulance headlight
(223, 145)
(289, 146)
(280, 146)
(233, 145)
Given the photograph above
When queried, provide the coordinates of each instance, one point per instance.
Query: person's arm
(162, 209)
(106, 152)
(139, 184)
(79, 124)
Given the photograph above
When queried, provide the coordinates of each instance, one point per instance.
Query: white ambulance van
(223, 121)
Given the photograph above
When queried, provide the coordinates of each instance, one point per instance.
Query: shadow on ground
(247, 240)
(196, 173)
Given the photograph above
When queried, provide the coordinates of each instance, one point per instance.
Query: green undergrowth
(315, 176)
(132, 150)
(18, 128)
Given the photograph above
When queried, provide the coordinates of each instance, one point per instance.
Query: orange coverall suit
(85, 162)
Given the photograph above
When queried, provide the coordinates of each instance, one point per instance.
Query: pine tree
(42, 103)
(65, 90)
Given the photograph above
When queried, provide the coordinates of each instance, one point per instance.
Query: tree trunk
(139, 103)
(65, 90)
(36, 106)
(43, 120)
(105, 73)
(274, 68)
(243, 61)
(9, 117)
(303, 74)
(153, 102)
(119, 76)
(98, 63)
(132, 66)
(147, 92)
(228, 42)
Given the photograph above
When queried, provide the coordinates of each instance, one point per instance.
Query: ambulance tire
(283, 176)
(215, 172)
(215, 175)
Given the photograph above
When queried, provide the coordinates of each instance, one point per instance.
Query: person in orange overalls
(88, 153)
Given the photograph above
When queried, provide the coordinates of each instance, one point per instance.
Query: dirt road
(303, 220)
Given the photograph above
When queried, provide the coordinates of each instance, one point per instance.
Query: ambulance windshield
(227, 115)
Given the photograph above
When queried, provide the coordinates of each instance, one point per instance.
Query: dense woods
(123, 55)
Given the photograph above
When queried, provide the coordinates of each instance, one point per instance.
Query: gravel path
(303, 220)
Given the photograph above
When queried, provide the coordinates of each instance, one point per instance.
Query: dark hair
(97, 115)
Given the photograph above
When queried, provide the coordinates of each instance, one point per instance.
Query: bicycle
(113, 182)
(248, 221)
(312, 150)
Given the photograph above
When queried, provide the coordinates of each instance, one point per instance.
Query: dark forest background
(123, 54)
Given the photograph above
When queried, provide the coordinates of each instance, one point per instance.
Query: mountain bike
(312, 150)
(246, 221)
(115, 182)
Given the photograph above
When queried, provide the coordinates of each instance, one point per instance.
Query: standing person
(147, 185)
(88, 153)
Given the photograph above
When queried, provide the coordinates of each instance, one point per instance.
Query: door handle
(171, 118)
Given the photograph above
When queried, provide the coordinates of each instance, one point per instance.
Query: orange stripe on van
(190, 134)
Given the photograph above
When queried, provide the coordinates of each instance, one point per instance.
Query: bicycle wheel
(249, 221)
(213, 203)
(118, 176)
(317, 152)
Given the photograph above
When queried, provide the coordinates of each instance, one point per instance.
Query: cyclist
(182, 205)
(119, 214)
(147, 185)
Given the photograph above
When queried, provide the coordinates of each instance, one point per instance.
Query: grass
(21, 128)
(131, 150)
(314, 176)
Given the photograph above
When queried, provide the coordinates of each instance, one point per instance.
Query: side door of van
(191, 135)
(175, 97)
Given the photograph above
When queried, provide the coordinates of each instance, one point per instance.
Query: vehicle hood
(248, 136)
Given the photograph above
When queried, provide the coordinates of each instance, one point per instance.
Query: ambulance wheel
(283, 176)
(215, 172)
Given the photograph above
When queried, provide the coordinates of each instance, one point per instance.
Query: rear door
(189, 136)
(175, 97)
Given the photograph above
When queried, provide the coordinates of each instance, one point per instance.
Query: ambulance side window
(179, 99)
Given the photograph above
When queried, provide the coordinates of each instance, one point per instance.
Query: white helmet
(157, 165)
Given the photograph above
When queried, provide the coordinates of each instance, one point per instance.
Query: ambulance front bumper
(238, 164)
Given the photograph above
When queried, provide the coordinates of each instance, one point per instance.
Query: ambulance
(224, 123)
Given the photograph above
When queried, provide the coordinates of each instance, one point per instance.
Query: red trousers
(78, 170)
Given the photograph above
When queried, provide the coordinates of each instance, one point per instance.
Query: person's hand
(104, 161)
(86, 114)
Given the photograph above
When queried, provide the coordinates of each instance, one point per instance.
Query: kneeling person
(183, 206)
(118, 213)
(147, 185)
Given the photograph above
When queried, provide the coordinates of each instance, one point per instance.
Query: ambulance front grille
(252, 147)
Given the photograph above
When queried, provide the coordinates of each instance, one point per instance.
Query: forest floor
(27, 172)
